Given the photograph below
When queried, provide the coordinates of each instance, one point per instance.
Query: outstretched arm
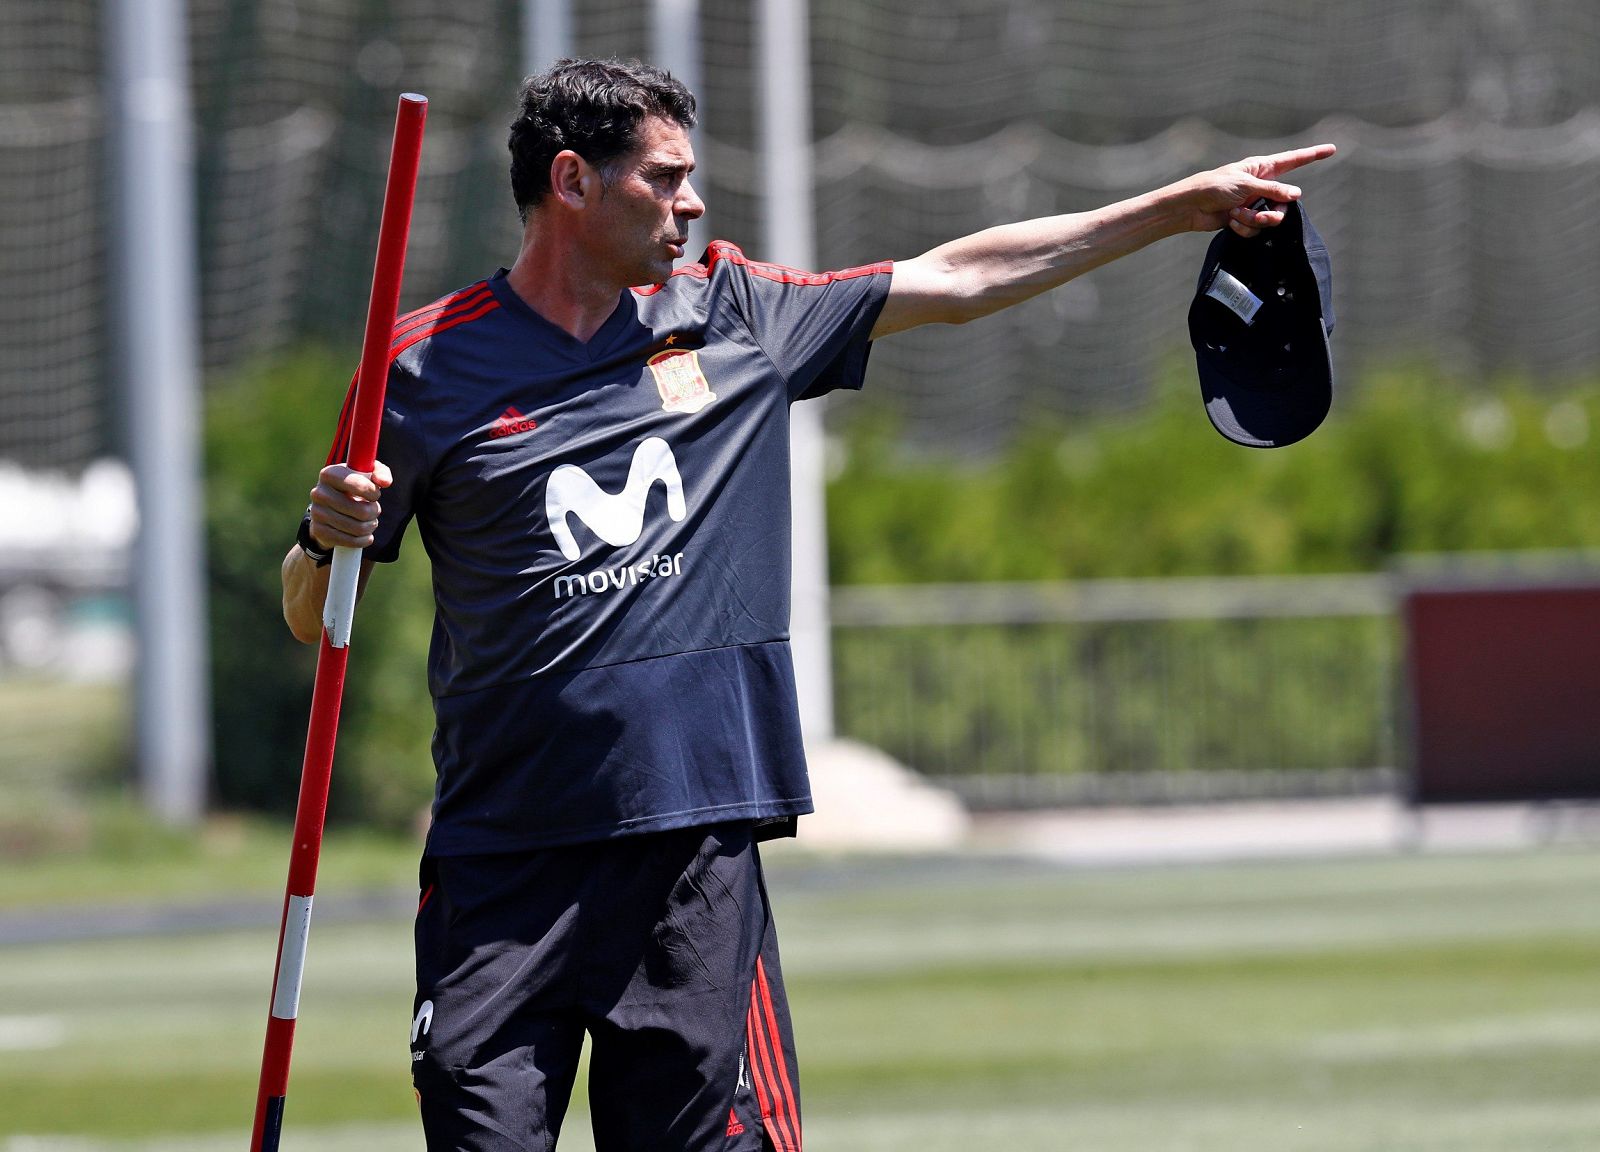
(999, 267)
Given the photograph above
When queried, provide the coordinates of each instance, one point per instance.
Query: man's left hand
(1224, 195)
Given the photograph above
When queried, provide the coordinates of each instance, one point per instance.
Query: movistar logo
(619, 519)
(423, 1020)
(419, 1028)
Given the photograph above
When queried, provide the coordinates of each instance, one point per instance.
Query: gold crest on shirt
(683, 386)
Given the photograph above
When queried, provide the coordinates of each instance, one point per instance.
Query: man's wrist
(315, 552)
(1168, 209)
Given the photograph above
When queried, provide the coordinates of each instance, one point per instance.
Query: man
(616, 713)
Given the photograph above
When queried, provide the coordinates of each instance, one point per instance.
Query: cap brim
(1261, 417)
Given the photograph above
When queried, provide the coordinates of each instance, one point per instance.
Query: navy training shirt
(608, 525)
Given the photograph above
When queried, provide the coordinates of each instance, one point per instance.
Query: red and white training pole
(338, 612)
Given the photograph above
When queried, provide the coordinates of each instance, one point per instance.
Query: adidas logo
(510, 423)
(734, 1127)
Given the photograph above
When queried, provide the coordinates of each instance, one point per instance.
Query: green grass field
(1381, 1005)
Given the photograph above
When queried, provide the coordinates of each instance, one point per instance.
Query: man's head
(592, 107)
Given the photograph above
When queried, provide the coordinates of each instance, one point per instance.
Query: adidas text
(511, 423)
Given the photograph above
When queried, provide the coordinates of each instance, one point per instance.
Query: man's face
(645, 209)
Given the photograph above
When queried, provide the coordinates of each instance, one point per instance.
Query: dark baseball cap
(1259, 324)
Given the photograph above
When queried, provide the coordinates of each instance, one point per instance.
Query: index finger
(343, 478)
(1280, 162)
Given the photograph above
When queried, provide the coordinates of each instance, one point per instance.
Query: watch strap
(319, 555)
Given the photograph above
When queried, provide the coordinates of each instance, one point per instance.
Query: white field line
(31, 1033)
(1501, 1035)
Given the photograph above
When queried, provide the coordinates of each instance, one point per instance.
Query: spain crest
(683, 386)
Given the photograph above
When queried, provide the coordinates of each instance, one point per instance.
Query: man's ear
(572, 180)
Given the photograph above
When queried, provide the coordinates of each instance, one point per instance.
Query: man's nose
(689, 203)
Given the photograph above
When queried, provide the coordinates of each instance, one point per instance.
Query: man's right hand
(344, 514)
(344, 505)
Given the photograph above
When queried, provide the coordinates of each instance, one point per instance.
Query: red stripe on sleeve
(722, 250)
(418, 335)
(446, 301)
(450, 306)
(468, 304)
(341, 434)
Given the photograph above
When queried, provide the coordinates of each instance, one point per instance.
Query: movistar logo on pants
(617, 519)
(419, 1027)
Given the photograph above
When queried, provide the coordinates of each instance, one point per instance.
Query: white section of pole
(675, 46)
(339, 606)
(155, 246)
(548, 34)
(783, 64)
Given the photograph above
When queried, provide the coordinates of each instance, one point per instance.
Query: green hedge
(1053, 700)
(1409, 462)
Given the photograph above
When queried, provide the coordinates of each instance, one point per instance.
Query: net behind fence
(1458, 214)
(52, 253)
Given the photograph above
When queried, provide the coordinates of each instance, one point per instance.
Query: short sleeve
(815, 327)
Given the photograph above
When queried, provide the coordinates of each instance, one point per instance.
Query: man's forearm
(305, 587)
(1011, 263)
(994, 269)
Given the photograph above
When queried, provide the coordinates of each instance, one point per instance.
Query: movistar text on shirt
(603, 580)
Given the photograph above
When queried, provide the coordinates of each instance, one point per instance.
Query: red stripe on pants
(774, 1089)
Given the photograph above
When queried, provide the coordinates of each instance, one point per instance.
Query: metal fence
(1145, 691)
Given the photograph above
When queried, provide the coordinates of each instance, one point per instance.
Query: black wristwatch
(320, 556)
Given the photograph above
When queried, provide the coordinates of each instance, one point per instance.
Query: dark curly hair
(593, 107)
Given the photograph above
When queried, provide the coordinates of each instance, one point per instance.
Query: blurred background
(1106, 636)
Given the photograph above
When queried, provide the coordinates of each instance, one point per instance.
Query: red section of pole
(384, 302)
(316, 772)
(317, 769)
